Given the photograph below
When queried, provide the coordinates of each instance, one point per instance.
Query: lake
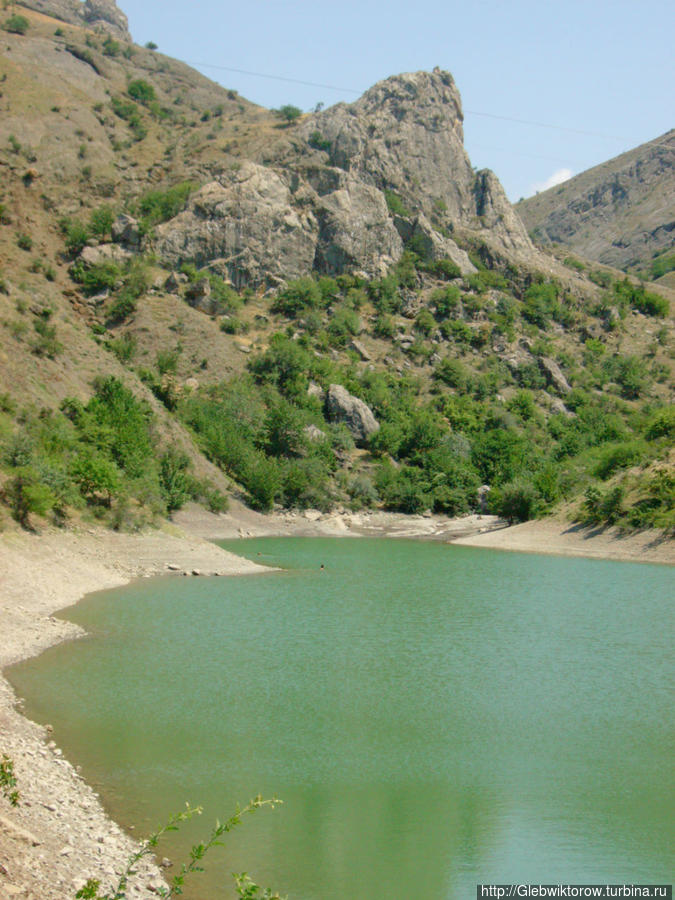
(432, 716)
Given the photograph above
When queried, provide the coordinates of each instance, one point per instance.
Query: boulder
(125, 231)
(198, 295)
(341, 406)
(314, 434)
(104, 253)
(553, 374)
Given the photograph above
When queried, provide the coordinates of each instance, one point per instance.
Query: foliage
(8, 781)
(100, 221)
(516, 501)
(141, 91)
(245, 887)
(289, 113)
(160, 206)
(28, 494)
(396, 205)
(129, 111)
(16, 24)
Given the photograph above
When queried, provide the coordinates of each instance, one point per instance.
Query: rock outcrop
(621, 213)
(341, 406)
(347, 190)
(103, 14)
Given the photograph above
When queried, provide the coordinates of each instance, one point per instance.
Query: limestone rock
(103, 14)
(106, 14)
(359, 348)
(198, 295)
(553, 374)
(125, 231)
(248, 219)
(390, 168)
(497, 215)
(315, 390)
(355, 230)
(104, 253)
(314, 434)
(435, 245)
(341, 406)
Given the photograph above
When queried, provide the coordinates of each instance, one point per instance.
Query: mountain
(200, 297)
(620, 213)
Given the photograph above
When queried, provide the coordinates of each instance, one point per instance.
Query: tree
(28, 495)
(94, 475)
(289, 113)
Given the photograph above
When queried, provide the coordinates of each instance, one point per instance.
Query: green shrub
(98, 278)
(619, 456)
(384, 327)
(445, 301)
(298, 296)
(16, 24)
(160, 206)
(141, 91)
(173, 478)
(28, 494)
(131, 115)
(317, 141)
(661, 424)
(8, 780)
(516, 501)
(24, 242)
(111, 47)
(97, 477)
(100, 221)
(396, 205)
(424, 323)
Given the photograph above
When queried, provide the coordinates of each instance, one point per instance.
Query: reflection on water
(432, 716)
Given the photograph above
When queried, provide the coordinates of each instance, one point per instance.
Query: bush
(27, 494)
(131, 115)
(98, 278)
(619, 456)
(298, 296)
(141, 91)
(101, 220)
(160, 206)
(24, 242)
(396, 205)
(445, 301)
(16, 24)
(516, 501)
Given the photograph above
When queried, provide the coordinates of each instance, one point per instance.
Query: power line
(609, 137)
(328, 87)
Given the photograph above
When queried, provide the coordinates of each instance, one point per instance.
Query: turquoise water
(432, 716)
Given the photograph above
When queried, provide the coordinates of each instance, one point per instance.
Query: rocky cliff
(102, 14)
(348, 189)
(621, 213)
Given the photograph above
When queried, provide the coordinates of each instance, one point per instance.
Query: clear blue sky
(602, 66)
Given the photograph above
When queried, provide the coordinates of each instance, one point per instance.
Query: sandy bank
(565, 539)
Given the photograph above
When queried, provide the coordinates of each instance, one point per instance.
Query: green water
(432, 716)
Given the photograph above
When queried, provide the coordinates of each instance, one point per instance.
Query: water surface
(432, 716)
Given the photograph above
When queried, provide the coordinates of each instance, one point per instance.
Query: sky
(585, 80)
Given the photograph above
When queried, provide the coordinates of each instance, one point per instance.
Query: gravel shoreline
(60, 834)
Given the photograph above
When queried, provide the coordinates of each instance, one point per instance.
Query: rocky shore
(60, 835)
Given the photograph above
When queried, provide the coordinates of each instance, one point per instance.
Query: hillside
(202, 298)
(620, 213)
